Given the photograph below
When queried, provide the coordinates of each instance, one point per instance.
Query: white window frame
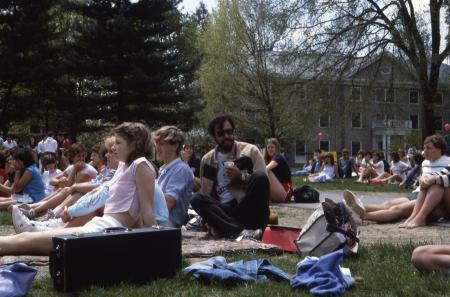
(360, 120)
(411, 91)
(320, 122)
(351, 147)
(418, 120)
(304, 148)
(320, 141)
(351, 95)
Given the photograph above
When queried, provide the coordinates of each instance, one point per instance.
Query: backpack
(329, 228)
(306, 194)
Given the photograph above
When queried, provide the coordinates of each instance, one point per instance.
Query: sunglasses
(222, 133)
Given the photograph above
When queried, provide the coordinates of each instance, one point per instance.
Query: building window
(324, 120)
(413, 97)
(356, 120)
(300, 148)
(437, 120)
(414, 118)
(356, 93)
(356, 147)
(384, 95)
(324, 145)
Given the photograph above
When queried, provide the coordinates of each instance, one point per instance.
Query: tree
(134, 65)
(352, 28)
(26, 59)
(246, 72)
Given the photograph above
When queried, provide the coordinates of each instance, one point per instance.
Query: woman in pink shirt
(130, 200)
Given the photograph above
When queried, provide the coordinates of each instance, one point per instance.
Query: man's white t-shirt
(398, 167)
(223, 180)
(438, 165)
(47, 177)
(88, 169)
(380, 168)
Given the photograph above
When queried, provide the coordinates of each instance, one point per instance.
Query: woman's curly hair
(138, 137)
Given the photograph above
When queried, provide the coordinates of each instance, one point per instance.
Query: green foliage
(68, 63)
(348, 183)
(247, 70)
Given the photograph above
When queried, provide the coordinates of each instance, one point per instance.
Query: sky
(191, 5)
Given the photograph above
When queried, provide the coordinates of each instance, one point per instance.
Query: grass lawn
(342, 184)
(384, 270)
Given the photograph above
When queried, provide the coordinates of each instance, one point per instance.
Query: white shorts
(98, 224)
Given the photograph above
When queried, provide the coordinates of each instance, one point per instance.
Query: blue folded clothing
(15, 279)
(218, 269)
(322, 276)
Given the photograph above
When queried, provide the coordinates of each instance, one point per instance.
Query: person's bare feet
(416, 224)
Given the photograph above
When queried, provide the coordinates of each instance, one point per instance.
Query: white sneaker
(50, 224)
(21, 222)
(354, 216)
(354, 203)
(250, 234)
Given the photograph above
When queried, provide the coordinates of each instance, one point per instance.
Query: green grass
(342, 184)
(385, 271)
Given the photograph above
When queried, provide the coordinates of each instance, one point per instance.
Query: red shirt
(4, 174)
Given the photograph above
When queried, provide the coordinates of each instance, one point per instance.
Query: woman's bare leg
(417, 206)
(5, 203)
(54, 201)
(394, 213)
(80, 221)
(385, 205)
(32, 243)
(433, 197)
(277, 192)
(67, 202)
(430, 258)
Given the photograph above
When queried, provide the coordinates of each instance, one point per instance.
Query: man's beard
(226, 145)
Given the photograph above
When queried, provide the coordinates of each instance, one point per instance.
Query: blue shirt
(176, 180)
(35, 188)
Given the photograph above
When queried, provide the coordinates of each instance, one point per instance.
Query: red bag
(281, 236)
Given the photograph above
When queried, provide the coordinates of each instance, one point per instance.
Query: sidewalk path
(366, 197)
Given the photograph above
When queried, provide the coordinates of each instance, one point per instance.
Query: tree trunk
(427, 127)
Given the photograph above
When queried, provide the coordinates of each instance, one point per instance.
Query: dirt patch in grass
(370, 232)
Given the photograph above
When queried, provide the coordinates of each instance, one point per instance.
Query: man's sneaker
(353, 215)
(250, 234)
(48, 216)
(50, 224)
(27, 211)
(21, 222)
(354, 203)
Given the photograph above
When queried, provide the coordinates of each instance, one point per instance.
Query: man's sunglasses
(222, 133)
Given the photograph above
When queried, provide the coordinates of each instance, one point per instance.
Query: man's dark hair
(74, 150)
(25, 155)
(48, 159)
(219, 121)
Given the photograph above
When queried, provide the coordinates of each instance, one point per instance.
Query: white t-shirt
(222, 180)
(429, 167)
(88, 169)
(398, 167)
(380, 168)
(329, 171)
(47, 177)
(9, 145)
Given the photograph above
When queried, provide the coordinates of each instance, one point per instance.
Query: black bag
(113, 256)
(306, 194)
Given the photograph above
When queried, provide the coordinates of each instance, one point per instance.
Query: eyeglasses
(222, 133)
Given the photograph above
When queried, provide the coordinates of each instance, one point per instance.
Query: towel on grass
(15, 279)
(217, 269)
(323, 276)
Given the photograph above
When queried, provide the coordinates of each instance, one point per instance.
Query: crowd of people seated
(230, 187)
